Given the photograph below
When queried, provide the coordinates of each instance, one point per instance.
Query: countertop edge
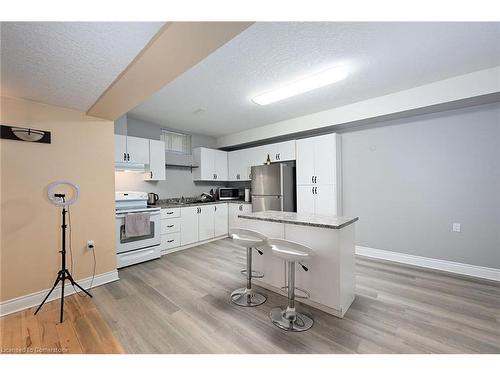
(304, 223)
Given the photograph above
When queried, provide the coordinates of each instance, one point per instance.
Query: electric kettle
(153, 198)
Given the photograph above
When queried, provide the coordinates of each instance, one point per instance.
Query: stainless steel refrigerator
(273, 188)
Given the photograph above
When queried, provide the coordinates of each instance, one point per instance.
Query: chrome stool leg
(288, 318)
(246, 296)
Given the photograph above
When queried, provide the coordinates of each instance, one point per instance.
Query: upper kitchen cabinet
(138, 150)
(131, 149)
(237, 166)
(282, 151)
(156, 161)
(241, 161)
(318, 175)
(317, 160)
(120, 148)
(212, 164)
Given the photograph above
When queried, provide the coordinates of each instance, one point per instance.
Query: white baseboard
(20, 303)
(436, 264)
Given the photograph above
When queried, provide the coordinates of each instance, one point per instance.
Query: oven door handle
(155, 213)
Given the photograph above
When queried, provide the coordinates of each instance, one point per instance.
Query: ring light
(60, 202)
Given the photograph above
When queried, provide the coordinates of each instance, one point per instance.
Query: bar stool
(251, 240)
(291, 252)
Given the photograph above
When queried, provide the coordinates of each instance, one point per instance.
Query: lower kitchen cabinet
(220, 220)
(234, 210)
(202, 223)
(206, 217)
(189, 225)
(170, 241)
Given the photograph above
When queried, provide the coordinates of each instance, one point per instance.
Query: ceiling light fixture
(323, 78)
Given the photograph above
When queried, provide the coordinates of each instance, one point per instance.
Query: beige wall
(82, 151)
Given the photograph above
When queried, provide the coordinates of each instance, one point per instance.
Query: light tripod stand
(63, 274)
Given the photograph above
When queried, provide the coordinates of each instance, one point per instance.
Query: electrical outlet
(456, 227)
(90, 244)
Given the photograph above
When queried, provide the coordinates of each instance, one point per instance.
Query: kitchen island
(330, 279)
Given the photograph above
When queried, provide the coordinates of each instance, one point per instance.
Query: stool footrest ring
(305, 294)
(255, 274)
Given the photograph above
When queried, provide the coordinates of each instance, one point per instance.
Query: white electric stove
(132, 250)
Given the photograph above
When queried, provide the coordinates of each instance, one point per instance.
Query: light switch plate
(456, 227)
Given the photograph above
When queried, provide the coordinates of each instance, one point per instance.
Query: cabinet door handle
(215, 208)
(170, 212)
(125, 156)
(170, 241)
(128, 157)
(312, 179)
(315, 190)
(312, 190)
(170, 226)
(241, 207)
(151, 174)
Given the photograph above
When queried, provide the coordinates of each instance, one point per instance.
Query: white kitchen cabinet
(189, 225)
(325, 200)
(318, 200)
(170, 241)
(318, 177)
(305, 161)
(241, 161)
(206, 216)
(137, 150)
(235, 209)
(317, 160)
(212, 164)
(220, 165)
(305, 199)
(120, 148)
(325, 159)
(156, 161)
(238, 165)
(170, 225)
(282, 151)
(220, 219)
(131, 149)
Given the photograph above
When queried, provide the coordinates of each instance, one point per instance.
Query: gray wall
(178, 182)
(409, 180)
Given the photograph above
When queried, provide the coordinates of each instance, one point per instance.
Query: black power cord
(71, 255)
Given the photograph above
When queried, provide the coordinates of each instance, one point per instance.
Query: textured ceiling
(214, 97)
(68, 64)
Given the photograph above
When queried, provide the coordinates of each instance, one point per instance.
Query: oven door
(124, 243)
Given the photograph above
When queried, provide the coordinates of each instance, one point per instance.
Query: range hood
(130, 167)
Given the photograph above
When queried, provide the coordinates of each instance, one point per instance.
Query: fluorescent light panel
(300, 86)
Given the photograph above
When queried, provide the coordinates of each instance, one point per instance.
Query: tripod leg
(50, 291)
(62, 297)
(74, 283)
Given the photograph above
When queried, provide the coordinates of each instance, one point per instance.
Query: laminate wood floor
(180, 304)
(82, 331)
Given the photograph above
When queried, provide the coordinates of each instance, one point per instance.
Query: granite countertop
(321, 221)
(190, 202)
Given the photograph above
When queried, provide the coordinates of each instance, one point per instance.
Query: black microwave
(229, 194)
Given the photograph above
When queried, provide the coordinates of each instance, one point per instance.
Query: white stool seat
(247, 238)
(288, 250)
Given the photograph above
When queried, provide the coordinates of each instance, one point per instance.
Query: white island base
(331, 279)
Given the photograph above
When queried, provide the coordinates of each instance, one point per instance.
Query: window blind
(176, 142)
